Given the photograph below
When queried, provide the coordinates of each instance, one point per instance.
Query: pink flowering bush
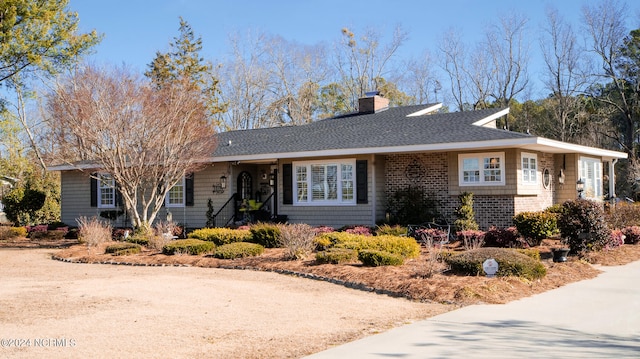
(361, 230)
(632, 234)
(616, 239)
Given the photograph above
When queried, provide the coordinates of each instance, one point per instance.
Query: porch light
(272, 179)
(220, 186)
(580, 188)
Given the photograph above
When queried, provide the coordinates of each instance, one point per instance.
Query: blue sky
(135, 29)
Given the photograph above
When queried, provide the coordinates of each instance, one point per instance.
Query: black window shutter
(188, 188)
(94, 190)
(287, 183)
(362, 189)
(118, 195)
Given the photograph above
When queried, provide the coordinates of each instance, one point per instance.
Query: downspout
(612, 179)
(374, 190)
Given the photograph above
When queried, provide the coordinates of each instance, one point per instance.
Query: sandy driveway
(62, 310)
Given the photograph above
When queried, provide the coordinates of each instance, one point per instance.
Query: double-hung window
(176, 195)
(106, 191)
(529, 168)
(325, 182)
(481, 169)
(590, 171)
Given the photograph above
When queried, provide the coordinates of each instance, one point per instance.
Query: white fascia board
(493, 117)
(70, 167)
(425, 111)
(532, 143)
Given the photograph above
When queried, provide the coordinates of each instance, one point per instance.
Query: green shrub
(188, 246)
(386, 229)
(336, 256)
(465, 214)
(12, 232)
(238, 250)
(405, 247)
(583, 226)
(412, 205)
(536, 226)
(375, 258)
(532, 253)
(510, 263)
(265, 234)
(123, 249)
(220, 236)
(140, 239)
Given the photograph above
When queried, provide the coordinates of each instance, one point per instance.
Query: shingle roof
(389, 128)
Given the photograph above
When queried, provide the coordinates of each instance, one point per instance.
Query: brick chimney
(372, 103)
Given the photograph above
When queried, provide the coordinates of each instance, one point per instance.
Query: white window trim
(481, 157)
(339, 201)
(184, 194)
(597, 180)
(99, 191)
(534, 156)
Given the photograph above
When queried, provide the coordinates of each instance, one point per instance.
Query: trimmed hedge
(510, 263)
(139, 239)
(221, 236)
(238, 250)
(265, 234)
(336, 256)
(123, 249)
(406, 247)
(188, 246)
(375, 258)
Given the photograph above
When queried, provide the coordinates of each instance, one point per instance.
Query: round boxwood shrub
(220, 236)
(266, 235)
(510, 263)
(123, 249)
(375, 258)
(536, 226)
(336, 256)
(582, 224)
(188, 246)
(238, 250)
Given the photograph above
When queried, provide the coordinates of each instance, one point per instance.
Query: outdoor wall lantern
(580, 188)
(220, 186)
(272, 179)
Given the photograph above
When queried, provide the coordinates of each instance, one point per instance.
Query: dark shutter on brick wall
(94, 190)
(362, 189)
(287, 183)
(188, 188)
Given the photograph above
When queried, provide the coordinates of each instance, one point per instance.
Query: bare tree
(421, 80)
(566, 75)
(146, 138)
(508, 50)
(361, 62)
(604, 25)
(454, 64)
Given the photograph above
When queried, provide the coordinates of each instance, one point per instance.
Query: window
(590, 171)
(175, 196)
(481, 169)
(325, 182)
(529, 168)
(106, 191)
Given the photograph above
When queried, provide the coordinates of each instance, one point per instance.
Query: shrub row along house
(342, 170)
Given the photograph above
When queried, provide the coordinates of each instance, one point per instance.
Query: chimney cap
(372, 93)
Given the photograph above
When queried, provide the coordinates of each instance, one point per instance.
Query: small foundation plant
(93, 232)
